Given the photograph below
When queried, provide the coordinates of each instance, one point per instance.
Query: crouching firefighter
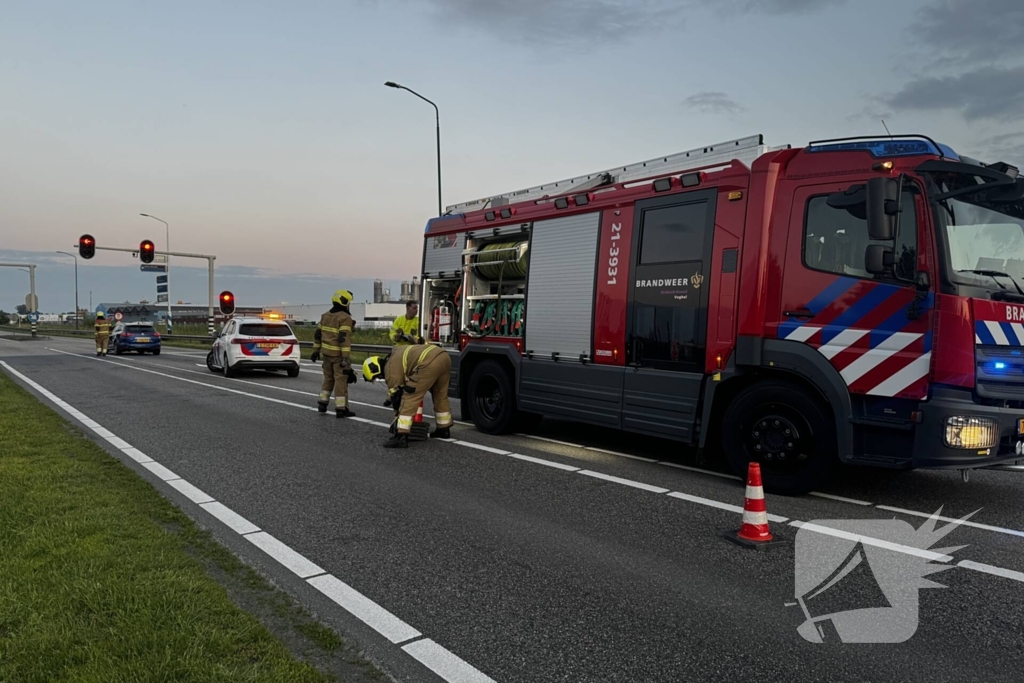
(410, 372)
(333, 341)
(102, 328)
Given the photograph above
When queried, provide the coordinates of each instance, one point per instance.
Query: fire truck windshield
(985, 236)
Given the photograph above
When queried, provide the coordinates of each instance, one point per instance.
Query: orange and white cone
(420, 429)
(754, 531)
(419, 413)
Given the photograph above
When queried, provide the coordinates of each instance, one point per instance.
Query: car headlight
(971, 433)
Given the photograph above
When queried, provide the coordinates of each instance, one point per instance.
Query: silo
(378, 291)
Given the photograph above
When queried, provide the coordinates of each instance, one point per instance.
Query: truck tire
(784, 428)
(492, 400)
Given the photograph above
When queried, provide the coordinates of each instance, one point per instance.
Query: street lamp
(76, 285)
(437, 117)
(167, 267)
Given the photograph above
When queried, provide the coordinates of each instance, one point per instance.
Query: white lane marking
(444, 663)
(372, 614)
(548, 440)
(877, 542)
(541, 461)
(365, 421)
(285, 555)
(118, 443)
(698, 469)
(235, 521)
(621, 455)
(160, 471)
(479, 447)
(449, 666)
(720, 505)
(841, 499)
(976, 525)
(191, 492)
(624, 482)
(989, 569)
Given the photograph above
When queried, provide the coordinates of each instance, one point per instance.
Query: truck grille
(1000, 372)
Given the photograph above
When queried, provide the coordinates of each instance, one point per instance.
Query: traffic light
(86, 246)
(227, 303)
(146, 251)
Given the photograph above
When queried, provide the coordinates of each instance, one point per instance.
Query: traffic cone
(420, 429)
(754, 531)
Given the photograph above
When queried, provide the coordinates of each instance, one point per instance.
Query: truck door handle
(802, 312)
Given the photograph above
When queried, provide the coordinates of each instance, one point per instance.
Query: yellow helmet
(373, 367)
(343, 297)
(99, 314)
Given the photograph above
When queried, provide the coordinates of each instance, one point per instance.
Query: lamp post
(167, 267)
(77, 310)
(437, 118)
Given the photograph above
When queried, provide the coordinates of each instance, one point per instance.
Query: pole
(77, 312)
(437, 119)
(167, 268)
(209, 318)
(32, 292)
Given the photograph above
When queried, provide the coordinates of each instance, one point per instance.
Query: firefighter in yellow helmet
(333, 340)
(410, 372)
(405, 329)
(102, 328)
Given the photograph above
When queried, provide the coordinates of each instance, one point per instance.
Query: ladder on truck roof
(745, 149)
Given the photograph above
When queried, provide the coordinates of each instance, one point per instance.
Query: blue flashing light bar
(442, 218)
(888, 148)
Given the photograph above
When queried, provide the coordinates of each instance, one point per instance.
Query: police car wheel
(785, 429)
(228, 370)
(209, 363)
(293, 372)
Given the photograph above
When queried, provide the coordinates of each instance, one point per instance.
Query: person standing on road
(410, 372)
(333, 337)
(102, 328)
(405, 329)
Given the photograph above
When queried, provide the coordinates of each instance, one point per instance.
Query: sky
(261, 131)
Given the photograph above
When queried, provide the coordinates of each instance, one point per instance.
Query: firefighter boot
(343, 412)
(441, 433)
(321, 407)
(397, 441)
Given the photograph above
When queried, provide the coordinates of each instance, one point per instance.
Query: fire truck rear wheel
(784, 428)
(492, 401)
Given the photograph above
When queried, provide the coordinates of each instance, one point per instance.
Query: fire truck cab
(855, 301)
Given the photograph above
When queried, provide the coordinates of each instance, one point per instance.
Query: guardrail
(362, 348)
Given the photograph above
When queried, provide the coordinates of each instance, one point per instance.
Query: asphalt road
(572, 554)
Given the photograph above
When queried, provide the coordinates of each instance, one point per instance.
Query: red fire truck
(854, 301)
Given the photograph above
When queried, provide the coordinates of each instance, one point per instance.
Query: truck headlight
(971, 433)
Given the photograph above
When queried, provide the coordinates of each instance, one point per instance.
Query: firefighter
(334, 337)
(405, 329)
(102, 333)
(410, 372)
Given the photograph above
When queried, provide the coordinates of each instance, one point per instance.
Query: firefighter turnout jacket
(102, 328)
(410, 373)
(333, 341)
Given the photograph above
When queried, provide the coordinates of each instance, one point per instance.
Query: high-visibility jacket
(403, 325)
(333, 335)
(403, 363)
(102, 327)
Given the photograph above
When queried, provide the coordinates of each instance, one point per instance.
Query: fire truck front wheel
(787, 430)
(492, 401)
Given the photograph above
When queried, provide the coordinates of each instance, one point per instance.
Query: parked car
(254, 344)
(138, 337)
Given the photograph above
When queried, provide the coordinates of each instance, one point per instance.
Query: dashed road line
(841, 499)
(953, 520)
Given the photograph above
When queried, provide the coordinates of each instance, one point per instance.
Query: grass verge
(103, 579)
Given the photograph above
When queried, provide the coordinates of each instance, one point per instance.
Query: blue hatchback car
(138, 337)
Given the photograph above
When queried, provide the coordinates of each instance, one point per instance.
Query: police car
(254, 344)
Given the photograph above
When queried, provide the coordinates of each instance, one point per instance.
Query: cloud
(586, 24)
(712, 103)
(1008, 147)
(986, 93)
(973, 31)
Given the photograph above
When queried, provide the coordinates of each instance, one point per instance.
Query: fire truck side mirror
(882, 207)
(879, 259)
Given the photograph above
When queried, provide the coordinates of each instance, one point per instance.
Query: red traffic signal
(86, 246)
(227, 303)
(146, 251)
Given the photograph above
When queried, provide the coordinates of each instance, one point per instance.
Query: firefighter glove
(315, 356)
(351, 377)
